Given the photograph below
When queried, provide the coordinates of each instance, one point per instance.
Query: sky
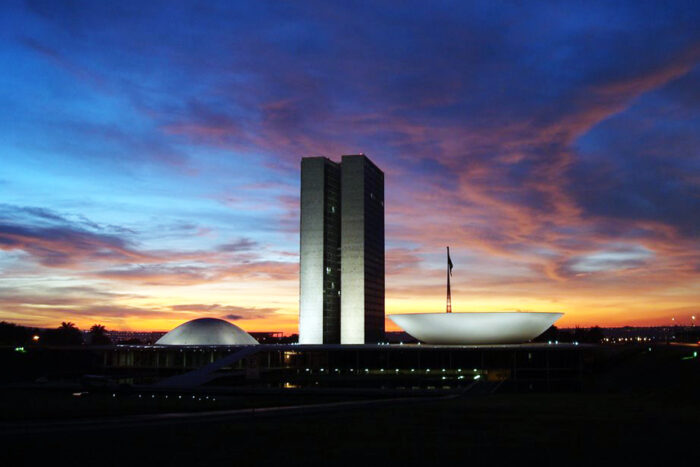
(150, 155)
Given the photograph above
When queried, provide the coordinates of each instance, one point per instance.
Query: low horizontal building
(403, 367)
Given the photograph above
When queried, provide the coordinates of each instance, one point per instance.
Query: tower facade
(362, 247)
(342, 251)
(319, 263)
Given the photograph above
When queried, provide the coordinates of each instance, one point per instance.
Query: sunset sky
(150, 155)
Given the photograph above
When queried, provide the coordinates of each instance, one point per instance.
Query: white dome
(207, 331)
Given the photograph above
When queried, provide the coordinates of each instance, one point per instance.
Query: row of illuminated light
(153, 396)
(382, 370)
(614, 340)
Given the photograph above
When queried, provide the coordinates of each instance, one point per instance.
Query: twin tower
(342, 251)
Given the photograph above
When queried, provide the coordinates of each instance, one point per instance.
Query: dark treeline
(65, 334)
(595, 335)
(583, 335)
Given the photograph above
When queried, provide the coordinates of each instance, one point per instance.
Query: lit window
(328, 270)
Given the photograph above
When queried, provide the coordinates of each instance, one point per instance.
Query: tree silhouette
(551, 334)
(12, 334)
(595, 335)
(66, 334)
(98, 335)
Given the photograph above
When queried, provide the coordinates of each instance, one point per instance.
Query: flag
(449, 261)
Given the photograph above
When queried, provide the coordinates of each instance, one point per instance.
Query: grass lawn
(643, 412)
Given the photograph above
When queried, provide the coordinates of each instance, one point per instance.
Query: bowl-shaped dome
(504, 327)
(207, 331)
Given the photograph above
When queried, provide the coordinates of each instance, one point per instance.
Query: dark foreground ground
(645, 410)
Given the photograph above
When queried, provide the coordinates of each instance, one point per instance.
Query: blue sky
(150, 155)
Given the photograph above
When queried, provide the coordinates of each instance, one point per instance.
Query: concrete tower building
(319, 264)
(342, 251)
(362, 251)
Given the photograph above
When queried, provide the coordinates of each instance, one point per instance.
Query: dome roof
(207, 331)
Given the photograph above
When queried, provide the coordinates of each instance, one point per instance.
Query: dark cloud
(401, 259)
(63, 246)
(173, 274)
(59, 295)
(55, 241)
(638, 167)
(647, 191)
(244, 244)
(233, 312)
(160, 274)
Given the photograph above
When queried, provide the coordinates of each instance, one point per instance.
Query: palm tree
(66, 334)
(97, 329)
(98, 335)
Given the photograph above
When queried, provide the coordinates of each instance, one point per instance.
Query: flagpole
(449, 292)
